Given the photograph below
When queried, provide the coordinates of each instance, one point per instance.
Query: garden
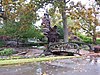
(49, 37)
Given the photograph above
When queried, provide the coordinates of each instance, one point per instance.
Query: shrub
(6, 52)
(2, 43)
(98, 41)
(85, 38)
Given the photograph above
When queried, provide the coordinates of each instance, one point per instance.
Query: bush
(6, 52)
(2, 43)
(85, 38)
(98, 41)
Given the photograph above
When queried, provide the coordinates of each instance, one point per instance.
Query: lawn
(32, 60)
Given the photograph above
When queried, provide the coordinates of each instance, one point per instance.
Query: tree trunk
(64, 18)
(94, 36)
(94, 39)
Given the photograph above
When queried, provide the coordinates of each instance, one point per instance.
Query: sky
(84, 2)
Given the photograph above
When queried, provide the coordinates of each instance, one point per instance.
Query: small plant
(6, 52)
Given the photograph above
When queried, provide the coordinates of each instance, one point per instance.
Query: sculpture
(50, 32)
(53, 35)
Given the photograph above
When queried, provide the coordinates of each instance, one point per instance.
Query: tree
(85, 18)
(61, 5)
(98, 2)
(65, 22)
(19, 18)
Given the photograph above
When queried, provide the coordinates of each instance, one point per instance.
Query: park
(49, 37)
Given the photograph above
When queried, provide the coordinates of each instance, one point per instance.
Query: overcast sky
(83, 1)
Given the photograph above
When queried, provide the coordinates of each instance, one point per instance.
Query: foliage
(58, 14)
(18, 23)
(2, 43)
(84, 18)
(61, 31)
(98, 2)
(80, 16)
(85, 38)
(56, 18)
(73, 26)
(19, 18)
(6, 52)
(98, 41)
(2, 31)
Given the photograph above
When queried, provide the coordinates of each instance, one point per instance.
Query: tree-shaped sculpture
(50, 32)
(53, 35)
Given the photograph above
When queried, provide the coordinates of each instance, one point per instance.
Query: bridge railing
(66, 47)
(69, 47)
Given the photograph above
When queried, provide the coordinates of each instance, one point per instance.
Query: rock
(33, 53)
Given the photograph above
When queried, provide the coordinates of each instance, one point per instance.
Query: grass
(31, 60)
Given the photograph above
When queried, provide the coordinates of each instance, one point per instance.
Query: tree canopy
(19, 18)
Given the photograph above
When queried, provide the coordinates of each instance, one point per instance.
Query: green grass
(31, 60)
